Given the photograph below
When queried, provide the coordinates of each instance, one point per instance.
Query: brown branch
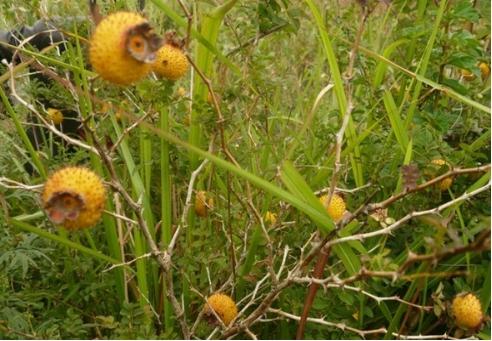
(313, 288)
(453, 172)
(482, 243)
(399, 223)
(259, 311)
(189, 18)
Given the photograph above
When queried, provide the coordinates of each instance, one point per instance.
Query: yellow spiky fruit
(55, 115)
(445, 184)
(467, 311)
(108, 53)
(171, 62)
(223, 305)
(335, 208)
(203, 204)
(484, 70)
(270, 218)
(74, 197)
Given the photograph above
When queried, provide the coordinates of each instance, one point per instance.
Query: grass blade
(63, 241)
(396, 123)
(339, 92)
(424, 62)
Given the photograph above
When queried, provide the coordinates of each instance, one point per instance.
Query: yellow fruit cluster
(55, 115)
(467, 311)
(223, 305)
(484, 70)
(171, 62)
(270, 218)
(122, 51)
(203, 204)
(108, 53)
(74, 197)
(335, 208)
(445, 184)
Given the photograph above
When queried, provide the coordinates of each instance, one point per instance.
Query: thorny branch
(360, 332)
(399, 223)
(163, 258)
(431, 182)
(480, 244)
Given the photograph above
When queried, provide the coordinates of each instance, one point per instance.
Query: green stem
(422, 69)
(166, 224)
(139, 190)
(20, 130)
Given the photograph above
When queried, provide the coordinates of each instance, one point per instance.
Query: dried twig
(12, 184)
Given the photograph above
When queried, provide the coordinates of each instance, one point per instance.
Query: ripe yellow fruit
(485, 70)
(55, 115)
(181, 92)
(467, 75)
(467, 311)
(445, 184)
(270, 218)
(74, 197)
(223, 305)
(335, 208)
(108, 51)
(171, 62)
(203, 204)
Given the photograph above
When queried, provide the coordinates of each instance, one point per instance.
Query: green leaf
(464, 10)
(350, 261)
(382, 67)
(485, 292)
(464, 61)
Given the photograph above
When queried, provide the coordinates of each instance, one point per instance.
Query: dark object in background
(41, 35)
